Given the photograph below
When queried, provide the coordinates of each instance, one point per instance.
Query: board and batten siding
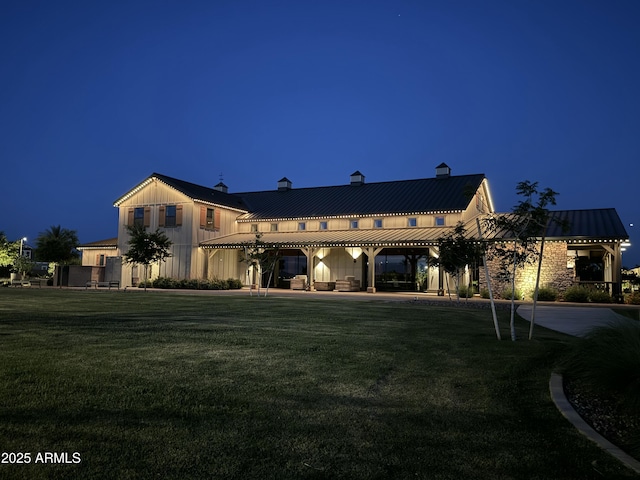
(187, 260)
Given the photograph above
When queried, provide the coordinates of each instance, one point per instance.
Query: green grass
(163, 385)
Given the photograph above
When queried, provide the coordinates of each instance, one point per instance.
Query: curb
(557, 394)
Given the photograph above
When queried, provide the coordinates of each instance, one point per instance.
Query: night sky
(95, 96)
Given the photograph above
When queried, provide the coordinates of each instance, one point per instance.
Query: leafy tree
(526, 224)
(23, 265)
(57, 244)
(8, 251)
(146, 248)
(262, 257)
(456, 251)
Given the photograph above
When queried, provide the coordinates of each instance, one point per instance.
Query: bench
(324, 286)
(96, 284)
(349, 284)
(20, 283)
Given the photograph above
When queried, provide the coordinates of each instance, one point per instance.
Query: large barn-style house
(355, 236)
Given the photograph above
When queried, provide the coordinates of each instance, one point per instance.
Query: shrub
(634, 298)
(465, 291)
(599, 296)
(234, 283)
(484, 293)
(508, 294)
(576, 294)
(547, 294)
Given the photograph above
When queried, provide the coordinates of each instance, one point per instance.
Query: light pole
(22, 240)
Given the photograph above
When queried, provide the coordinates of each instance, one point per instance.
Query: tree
(8, 251)
(262, 258)
(456, 252)
(23, 265)
(526, 224)
(146, 248)
(57, 244)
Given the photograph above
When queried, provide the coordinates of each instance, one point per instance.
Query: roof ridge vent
(284, 184)
(357, 178)
(443, 171)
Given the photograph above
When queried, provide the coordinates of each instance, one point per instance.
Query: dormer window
(440, 221)
(412, 222)
(302, 226)
(377, 223)
(353, 224)
(323, 225)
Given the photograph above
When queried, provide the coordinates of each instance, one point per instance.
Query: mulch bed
(605, 414)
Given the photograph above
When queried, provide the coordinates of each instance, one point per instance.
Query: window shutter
(216, 219)
(147, 216)
(161, 216)
(130, 217)
(97, 259)
(203, 217)
(178, 215)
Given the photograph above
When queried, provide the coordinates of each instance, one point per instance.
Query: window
(100, 260)
(170, 215)
(353, 224)
(377, 223)
(254, 227)
(274, 227)
(323, 226)
(440, 222)
(210, 218)
(302, 226)
(138, 217)
(413, 222)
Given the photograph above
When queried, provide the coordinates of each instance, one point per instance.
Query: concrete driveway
(576, 321)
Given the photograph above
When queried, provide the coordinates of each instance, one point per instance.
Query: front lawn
(214, 386)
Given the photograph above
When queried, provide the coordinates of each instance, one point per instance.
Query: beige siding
(186, 261)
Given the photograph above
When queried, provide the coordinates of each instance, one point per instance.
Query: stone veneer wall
(554, 272)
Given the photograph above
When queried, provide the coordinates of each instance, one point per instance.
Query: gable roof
(108, 244)
(602, 223)
(195, 192)
(429, 195)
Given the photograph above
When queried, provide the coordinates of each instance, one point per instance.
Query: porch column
(371, 270)
(616, 272)
(310, 253)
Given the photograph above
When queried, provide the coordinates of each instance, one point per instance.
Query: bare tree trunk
(486, 274)
(535, 292)
(512, 320)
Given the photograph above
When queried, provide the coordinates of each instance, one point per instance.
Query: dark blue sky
(95, 96)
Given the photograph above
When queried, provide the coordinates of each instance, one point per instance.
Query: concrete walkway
(576, 321)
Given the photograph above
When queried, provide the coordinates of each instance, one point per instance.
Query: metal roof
(193, 191)
(109, 243)
(383, 237)
(429, 195)
(593, 224)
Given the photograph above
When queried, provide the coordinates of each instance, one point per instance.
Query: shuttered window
(210, 218)
(170, 216)
(139, 216)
